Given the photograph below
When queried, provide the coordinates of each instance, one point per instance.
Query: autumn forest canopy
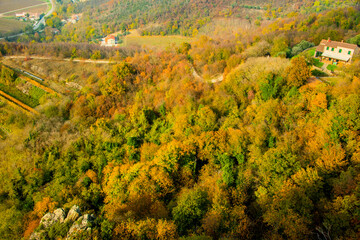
(233, 131)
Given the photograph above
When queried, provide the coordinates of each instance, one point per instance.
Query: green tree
(73, 53)
(191, 207)
(8, 76)
(96, 55)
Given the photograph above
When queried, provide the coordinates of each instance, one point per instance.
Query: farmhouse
(334, 52)
(109, 41)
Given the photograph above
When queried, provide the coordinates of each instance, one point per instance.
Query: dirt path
(17, 102)
(63, 59)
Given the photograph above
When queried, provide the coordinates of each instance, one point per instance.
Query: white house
(336, 52)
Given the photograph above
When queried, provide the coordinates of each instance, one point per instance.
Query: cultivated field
(9, 25)
(31, 10)
(13, 5)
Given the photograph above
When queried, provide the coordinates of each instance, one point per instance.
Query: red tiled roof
(320, 48)
(110, 37)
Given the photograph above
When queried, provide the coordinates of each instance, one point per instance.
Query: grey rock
(51, 218)
(82, 224)
(73, 214)
(59, 215)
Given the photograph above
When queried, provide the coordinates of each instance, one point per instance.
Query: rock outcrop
(73, 214)
(82, 224)
(51, 218)
(79, 225)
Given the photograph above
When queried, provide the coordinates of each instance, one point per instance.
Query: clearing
(162, 42)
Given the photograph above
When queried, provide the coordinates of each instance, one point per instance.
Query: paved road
(42, 20)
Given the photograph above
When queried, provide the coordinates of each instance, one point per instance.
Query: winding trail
(215, 79)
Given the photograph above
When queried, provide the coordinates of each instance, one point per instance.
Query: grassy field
(155, 41)
(12, 5)
(9, 25)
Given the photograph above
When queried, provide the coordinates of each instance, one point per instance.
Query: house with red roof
(109, 41)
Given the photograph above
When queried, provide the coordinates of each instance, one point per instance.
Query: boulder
(51, 218)
(59, 215)
(82, 224)
(73, 214)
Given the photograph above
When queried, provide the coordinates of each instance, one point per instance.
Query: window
(327, 48)
(340, 50)
(349, 52)
(332, 49)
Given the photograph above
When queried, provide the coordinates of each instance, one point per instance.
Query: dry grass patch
(161, 42)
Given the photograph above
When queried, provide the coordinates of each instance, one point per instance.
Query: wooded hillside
(244, 137)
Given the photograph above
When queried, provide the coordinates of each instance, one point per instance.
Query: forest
(148, 146)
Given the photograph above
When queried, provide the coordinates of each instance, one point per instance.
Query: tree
(301, 47)
(73, 53)
(96, 55)
(191, 207)
(8, 76)
(280, 47)
(298, 72)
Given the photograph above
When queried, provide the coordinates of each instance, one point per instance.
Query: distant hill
(185, 17)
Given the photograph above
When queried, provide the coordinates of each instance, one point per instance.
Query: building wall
(344, 51)
(111, 42)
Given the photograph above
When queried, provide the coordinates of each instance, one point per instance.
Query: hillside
(234, 132)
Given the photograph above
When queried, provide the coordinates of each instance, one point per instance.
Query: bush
(318, 73)
(303, 45)
(51, 111)
(331, 67)
(58, 230)
(317, 63)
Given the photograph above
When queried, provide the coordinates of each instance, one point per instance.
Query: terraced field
(23, 92)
